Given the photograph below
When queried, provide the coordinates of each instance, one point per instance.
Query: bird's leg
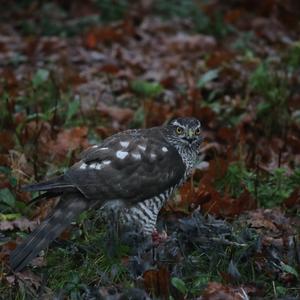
(158, 238)
(115, 225)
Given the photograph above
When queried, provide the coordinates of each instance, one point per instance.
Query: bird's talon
(159, 237)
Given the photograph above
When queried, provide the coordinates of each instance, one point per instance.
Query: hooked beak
(190, 133)
(190, 136)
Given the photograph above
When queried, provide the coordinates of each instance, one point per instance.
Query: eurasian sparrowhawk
(134, 172)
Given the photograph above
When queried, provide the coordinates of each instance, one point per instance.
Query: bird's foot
(159, 237)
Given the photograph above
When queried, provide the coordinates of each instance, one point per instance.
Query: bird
(132, 173)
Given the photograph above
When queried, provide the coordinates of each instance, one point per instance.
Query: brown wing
(131, 166)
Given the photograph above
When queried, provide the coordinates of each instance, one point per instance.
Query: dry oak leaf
(118, 114)
(271, 221)
(157, 282)
(69, 140)
(23, 224)
(218, 291)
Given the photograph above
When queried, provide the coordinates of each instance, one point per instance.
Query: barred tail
(70, 206)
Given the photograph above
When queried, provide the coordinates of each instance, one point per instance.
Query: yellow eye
(179, 130)
(197, 131)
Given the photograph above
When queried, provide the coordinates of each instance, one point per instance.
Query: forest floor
(72, 73)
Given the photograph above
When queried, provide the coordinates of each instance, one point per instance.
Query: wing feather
(130, 167)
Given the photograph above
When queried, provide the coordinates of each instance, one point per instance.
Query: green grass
(293, 57)
(112, 10)
(79, 263)
(189, 9)
(86, 263)
(44, 100)
(269, 189)
(272, 85)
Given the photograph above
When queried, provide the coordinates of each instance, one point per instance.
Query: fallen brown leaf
(157, 282)
(218, 291)
(118, 114)
(68, 140)
(22, 224)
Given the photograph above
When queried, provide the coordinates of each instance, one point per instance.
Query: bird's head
(185, 132)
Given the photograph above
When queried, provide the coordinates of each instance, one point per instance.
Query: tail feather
(45, 195)
(70, 206)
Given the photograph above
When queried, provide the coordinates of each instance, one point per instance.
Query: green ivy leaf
(40, 77)
(7, 197)
(148, 89)
(179, 285)
(289, 269)
(207, 77)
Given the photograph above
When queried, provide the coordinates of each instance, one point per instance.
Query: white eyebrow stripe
(121, 154)
(104, 148)
(124, 144)
(142, 147)
(176, 123)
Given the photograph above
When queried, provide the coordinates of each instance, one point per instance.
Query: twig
(227, 242)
